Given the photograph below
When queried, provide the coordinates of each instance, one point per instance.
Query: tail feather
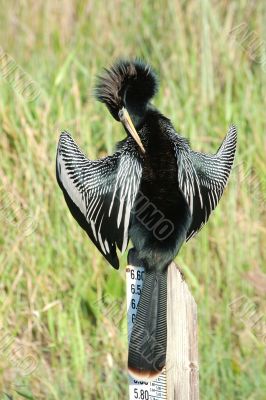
(147, 347)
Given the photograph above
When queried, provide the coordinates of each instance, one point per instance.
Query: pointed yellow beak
(128, 124)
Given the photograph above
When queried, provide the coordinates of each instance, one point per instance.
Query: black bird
(153, 190)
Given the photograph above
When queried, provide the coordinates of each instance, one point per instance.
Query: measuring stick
(138, 390)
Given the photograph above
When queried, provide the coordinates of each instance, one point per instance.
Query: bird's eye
(120, 113)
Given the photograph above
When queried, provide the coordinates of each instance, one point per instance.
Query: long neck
(137, 109)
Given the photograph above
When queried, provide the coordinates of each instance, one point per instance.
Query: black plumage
(154, 190)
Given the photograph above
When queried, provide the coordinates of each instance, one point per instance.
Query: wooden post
(182, 340)
(182, 377)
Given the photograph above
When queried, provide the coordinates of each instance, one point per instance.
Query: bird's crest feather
(132, 77)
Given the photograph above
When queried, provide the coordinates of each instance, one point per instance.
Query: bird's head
(126, 89)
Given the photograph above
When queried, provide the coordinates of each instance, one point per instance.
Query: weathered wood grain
(182, 369)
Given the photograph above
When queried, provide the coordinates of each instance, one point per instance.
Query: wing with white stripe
(100, 194)
(203, 177)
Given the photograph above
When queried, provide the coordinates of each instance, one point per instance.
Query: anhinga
(153, 190)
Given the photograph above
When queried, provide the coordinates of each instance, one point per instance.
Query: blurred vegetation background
(62, 329)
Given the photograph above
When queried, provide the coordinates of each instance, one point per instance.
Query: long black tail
(147, 347)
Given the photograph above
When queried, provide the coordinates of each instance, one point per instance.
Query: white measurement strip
(156, 389)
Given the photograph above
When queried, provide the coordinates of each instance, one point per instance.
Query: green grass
(52, 278)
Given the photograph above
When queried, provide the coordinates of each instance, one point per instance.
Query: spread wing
(100, 194)
(203, 177)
